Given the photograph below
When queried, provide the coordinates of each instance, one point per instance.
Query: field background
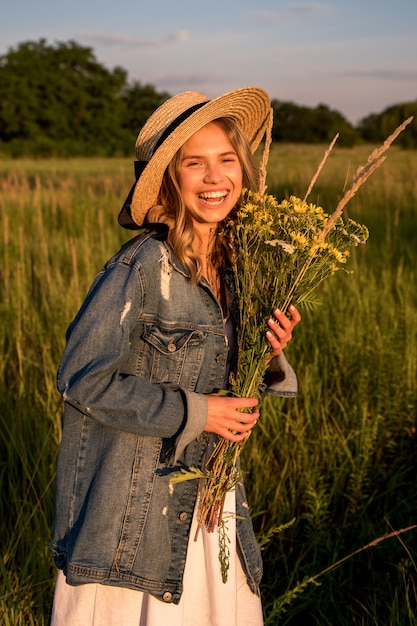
(330, 475)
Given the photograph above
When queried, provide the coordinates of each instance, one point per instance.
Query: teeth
(212, 194)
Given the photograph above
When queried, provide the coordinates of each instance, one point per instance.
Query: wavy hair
(172, 211)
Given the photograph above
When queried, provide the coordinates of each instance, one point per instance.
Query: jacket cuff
(196, 419)
(280, 378)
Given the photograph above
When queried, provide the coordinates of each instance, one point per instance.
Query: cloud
(293, 12)
(399, 75)
(184, 80)
(105, 39)
(182, 35)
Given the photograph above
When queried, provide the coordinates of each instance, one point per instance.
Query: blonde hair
(172, 211)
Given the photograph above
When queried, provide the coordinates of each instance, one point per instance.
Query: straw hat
(172, 124)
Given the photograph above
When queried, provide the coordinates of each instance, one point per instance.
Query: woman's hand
(224, 418)
(281, 330)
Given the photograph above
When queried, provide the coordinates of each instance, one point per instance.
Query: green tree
(301, 124)
(376, 127)
(140, 101)
(58, 98)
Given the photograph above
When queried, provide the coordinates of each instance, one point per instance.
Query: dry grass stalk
(362, 174)
(74, 261)
(265, 154)
(313, 579)
(375, 159)
(320, 167)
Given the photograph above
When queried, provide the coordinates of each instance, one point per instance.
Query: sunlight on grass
(339, 460)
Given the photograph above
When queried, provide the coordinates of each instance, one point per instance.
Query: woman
(149, 348)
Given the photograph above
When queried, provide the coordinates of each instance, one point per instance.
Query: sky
(357, 57)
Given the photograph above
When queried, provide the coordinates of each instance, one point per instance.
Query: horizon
(355, 59)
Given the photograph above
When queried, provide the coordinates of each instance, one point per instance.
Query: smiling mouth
(213, 197)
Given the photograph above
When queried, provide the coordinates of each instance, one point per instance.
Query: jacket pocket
(173, 355)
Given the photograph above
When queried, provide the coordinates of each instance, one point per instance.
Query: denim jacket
(142, 352)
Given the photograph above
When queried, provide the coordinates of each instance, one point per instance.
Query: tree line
(57, 99)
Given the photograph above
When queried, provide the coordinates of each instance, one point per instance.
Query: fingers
(295, 315)
(281, 328)
(226, 418)
(238, 429)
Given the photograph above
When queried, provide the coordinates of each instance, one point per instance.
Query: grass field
(331, 475)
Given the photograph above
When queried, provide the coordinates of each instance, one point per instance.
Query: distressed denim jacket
(142, 352)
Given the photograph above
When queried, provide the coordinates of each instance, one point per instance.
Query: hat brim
(250, 107)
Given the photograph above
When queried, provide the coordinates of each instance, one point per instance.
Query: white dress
(206, 600)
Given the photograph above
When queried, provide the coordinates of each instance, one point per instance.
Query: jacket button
(171, 346)
(183, 516)
(219, 358)
(167, 597)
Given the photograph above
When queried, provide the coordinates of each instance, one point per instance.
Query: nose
(213, 173)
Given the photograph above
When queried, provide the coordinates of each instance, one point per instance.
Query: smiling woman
(210, 177)
(145, 357)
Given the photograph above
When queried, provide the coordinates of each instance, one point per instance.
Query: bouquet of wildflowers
(281, 252)
(279, 257)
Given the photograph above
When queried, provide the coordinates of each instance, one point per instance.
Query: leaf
(187, 474)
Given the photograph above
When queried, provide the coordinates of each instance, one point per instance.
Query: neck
(203, 247)
(203, 243)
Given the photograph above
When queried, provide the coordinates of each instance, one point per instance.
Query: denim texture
(142, 352)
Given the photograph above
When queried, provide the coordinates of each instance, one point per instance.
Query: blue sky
(357, 57)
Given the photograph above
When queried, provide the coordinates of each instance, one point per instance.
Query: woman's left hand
(281, 330)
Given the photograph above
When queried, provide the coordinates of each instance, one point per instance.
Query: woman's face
(210, 176)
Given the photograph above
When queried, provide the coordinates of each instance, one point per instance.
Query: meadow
(331, 475)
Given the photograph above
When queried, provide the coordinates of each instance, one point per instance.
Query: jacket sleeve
(92, 375)
(280, 378)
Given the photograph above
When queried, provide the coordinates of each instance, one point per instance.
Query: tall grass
(343, 455)
(336, 466)
(57, 228)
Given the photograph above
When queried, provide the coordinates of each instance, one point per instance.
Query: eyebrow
(200, 156)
